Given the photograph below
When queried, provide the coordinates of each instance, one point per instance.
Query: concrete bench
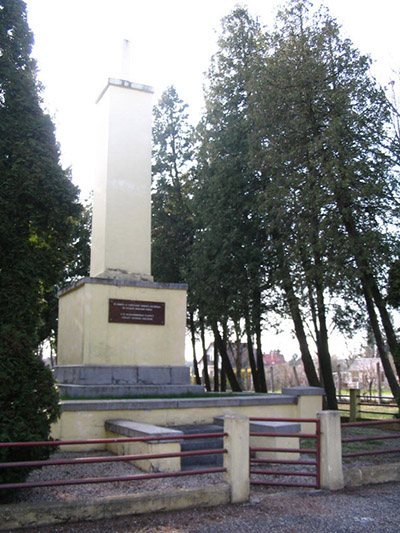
(259, 426)
(130, 428)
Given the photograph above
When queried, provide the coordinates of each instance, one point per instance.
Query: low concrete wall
(14, 516)
(366, 475)
(85, 419)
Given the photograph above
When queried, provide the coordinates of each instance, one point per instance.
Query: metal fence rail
(372, 399)
(315, 473)
(352, 404)
(375, 423)
(108, 459)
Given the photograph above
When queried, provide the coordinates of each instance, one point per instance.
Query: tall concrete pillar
(331, 450)
(237, 460)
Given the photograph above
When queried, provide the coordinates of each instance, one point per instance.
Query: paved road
(373, 508)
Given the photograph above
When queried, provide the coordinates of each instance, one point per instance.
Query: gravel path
(69, 493)
(374, 508)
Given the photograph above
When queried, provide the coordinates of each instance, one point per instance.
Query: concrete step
(201, 461)
(98, 392)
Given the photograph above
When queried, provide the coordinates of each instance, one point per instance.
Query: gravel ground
(374, 508)
(100, 490)
(121, 468)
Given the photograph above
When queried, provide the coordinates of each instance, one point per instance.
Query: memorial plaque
(136, 312)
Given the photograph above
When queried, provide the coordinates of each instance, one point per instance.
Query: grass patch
(373, 412)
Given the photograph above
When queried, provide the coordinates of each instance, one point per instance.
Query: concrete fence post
(237, 460)
(331, 468)
(354, 405)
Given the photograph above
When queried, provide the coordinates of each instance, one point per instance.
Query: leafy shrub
(29, 402)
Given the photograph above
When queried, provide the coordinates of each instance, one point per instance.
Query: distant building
(273, 358)
(237, 352)
(363, 372)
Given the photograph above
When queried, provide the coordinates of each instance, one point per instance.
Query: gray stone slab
(170, 403)
(121, 375)
(121, 391)
(304, 391)
(154, 375)
(67, 374)
(269, 426)
(94, 375)
(180, 375)
(122, 283)
(275, 427)
(130, 428)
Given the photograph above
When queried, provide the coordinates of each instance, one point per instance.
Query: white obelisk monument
(121, 235)
(120, 333)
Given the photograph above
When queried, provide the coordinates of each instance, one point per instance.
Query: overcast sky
(78, 46)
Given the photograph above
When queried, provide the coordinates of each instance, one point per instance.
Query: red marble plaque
(136, 312)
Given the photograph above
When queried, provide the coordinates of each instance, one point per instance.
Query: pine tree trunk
(205, 358)
(387, 367)
(223, 378)
(193, 339)
(238, 354)
(216, 370)
(367, 279)
(387, 324)
(260, 362)
(226, 364)
(324, 354)
(250, 352)
(308, 363)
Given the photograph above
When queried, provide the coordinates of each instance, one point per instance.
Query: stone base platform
(119, 381)
(85, 419)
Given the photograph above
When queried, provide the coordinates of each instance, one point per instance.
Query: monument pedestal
(120, 334)
(122, 338)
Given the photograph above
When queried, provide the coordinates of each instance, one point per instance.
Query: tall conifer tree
(38, 207)
(322, 135)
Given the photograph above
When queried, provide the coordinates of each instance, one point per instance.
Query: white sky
(78, 46)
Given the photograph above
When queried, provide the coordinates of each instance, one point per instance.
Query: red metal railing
(376, 423)
(314, 473)
(108, 459)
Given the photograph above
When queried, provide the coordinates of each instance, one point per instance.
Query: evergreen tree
(77, 266)
(38, 206)
(322, 145)
(172, 220)
(229, 244)
(172, 224)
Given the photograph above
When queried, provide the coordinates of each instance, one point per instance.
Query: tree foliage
(38, 210)
(227, 256)
(322, 143)
(295, 190)
(172, 218)
(172, 224)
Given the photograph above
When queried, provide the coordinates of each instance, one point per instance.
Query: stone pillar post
(331, 469)
(237, 460)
